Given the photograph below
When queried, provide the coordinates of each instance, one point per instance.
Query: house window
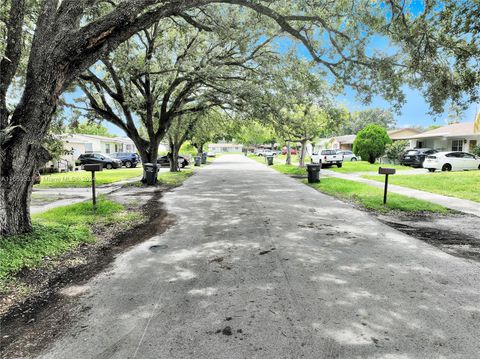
(419, 144)
(107, 148)
(457, 145)
(88, 147)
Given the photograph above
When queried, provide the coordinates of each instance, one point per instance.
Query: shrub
(370, 142)
(476, 150)
(395, 150)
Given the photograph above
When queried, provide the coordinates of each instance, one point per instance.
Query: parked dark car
(165, 162)
(98, 158)
(416, 156)
(129, 160)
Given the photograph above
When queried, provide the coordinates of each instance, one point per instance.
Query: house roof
(397, 134)
(225, 145)
(453, 130)
(347, 139)
(82, 138)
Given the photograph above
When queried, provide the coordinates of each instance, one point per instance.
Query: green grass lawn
(174, 178)
(168, 178)
(364, 166)
(57, 231)
(84, 178)
(290, 169)
(372, 197)
(464, 185)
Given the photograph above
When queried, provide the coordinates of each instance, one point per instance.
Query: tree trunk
(23, 154)
(302, 154)
(15, 204)
(173, 157)
(289, 154)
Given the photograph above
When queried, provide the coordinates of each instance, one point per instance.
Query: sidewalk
(457, 204)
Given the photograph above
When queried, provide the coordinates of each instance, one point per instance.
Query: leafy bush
(370, 142)
(395, 150)
(476, 150)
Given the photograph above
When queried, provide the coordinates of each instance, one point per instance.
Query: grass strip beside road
(368, 196)
(167, 178)
(58, 231)
(81, 179)
(364, 166)
(464, 185)
(372, 197)
(174, 178)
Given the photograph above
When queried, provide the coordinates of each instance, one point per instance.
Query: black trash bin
(269, 160)
(313, 172)
(204, 158)
(198, 160)
(150, 173)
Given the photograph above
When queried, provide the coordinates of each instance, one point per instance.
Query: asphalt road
(287, 271)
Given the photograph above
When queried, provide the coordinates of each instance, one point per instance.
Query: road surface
(259, 265)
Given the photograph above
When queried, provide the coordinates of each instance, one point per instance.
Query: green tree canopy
(360, 119)
(91, 128)
(370, 142)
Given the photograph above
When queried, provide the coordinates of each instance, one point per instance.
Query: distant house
(76, 144)
(225, 147)
(455, 137)
(335, 143)
(346, 142)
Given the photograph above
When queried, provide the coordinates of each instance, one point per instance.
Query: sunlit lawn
(464, 185)
(84, 178)
(58, 231)
(372, 197)
(364, 166)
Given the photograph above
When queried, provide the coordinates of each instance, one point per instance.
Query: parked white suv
(327, 158)
(451, 161)
(348, 155)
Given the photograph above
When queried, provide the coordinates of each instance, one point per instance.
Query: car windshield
(412, 152)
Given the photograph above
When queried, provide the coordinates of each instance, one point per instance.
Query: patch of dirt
(456, 234)
(29, 325)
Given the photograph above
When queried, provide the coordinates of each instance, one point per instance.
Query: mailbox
(386, 171)
(93, 167)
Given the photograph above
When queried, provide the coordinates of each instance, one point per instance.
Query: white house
(455, 137)
(225, 147)
(76, 144)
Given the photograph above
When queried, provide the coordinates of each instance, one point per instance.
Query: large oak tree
(69, 36)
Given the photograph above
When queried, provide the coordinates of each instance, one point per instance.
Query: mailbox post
(386, 172)
(93, 168)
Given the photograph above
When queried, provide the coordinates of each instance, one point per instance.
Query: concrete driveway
(259, 265)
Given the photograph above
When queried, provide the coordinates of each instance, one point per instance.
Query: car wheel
(108, 166)
(354, 159)
(339, 165)
(128, 164)
(183, 165)
(431, 170)
(447, 167)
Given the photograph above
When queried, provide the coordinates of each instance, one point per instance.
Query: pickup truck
(328, 158)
